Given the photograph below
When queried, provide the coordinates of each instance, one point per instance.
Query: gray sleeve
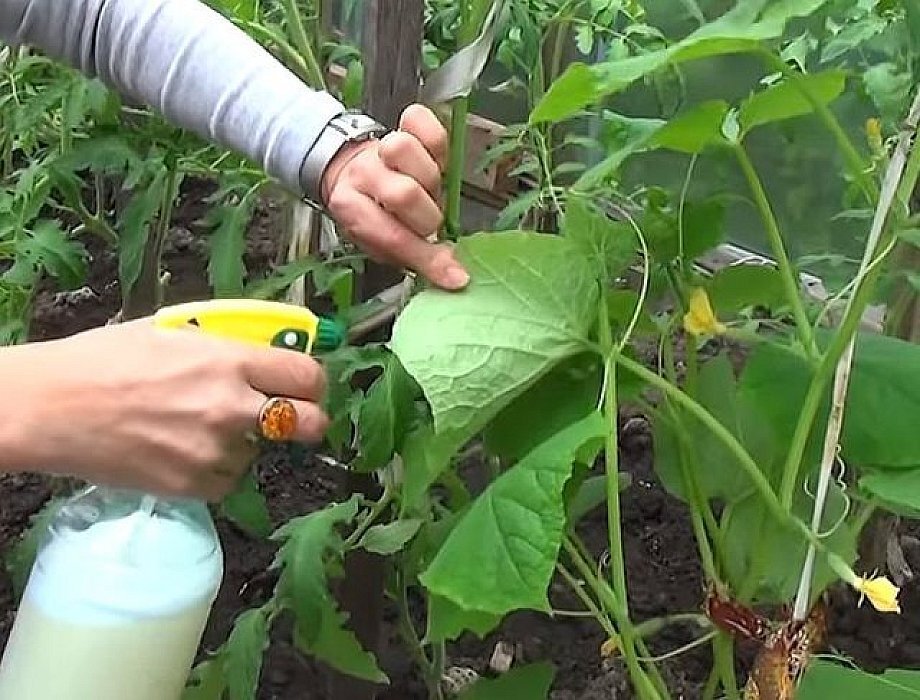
(201, 72)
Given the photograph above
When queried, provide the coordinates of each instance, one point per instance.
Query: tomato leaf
(234, 671)
(310, 542)
(48, 247)
(226, 269)
(246, 507)
(390, 538)
(20, 555)
(385, 416)
(243, 654)
(134, 228)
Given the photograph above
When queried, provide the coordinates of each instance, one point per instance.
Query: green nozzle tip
(329, 335)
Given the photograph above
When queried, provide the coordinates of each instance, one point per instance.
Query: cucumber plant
(781, 461)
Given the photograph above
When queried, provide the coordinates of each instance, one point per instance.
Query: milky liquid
(112, 613)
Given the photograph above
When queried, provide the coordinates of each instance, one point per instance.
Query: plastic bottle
(123, 582)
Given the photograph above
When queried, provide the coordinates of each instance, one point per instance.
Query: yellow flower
(700, 320)
(881, 592)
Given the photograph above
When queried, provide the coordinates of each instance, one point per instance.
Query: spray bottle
(123, 583)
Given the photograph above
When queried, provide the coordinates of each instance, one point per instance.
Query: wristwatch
(349, 127)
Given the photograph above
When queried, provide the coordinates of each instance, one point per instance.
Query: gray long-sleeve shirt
(185, 60)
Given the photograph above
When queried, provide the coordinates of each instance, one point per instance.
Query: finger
(380, 232)
(215, 487)
(401, 196)
(404, 153)
(311, 423)
(422, 123)
(278, 372)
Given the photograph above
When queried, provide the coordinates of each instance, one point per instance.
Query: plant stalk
(302, 41)
(855, 309)
(745, 460)
(471, 19)
(456, 165)
(644, 686)
(614, 525)
(588, 602)
(787, 273)
(724, 660)
(890, 189)
(700, 514)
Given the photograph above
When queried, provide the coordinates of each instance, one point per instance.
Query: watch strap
(348, 127)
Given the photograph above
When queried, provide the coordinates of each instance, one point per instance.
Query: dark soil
(661, 555)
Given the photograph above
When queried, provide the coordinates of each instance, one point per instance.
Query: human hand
(387, 195)
(133, 406)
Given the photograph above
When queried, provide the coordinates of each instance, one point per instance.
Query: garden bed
(662, 561)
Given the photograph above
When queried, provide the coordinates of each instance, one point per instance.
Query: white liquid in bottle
(115, 610)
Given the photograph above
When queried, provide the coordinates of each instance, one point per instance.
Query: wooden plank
(392, 51)
(392, 57)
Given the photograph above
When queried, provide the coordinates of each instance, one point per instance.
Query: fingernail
(456, 277)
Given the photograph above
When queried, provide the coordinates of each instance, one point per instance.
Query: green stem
(724, 659)
(748, 587)
(712, 684)
(407, 630)
(287, 53)
(693, 359)
(456, 166)
(302, 41)
(701, 515)
(579, 590)
(677, 288)
(654, 625)
(436, 670)
(614, 526)
(612, 461)
(471, 19)
(862, 519)
(645, 688)
(787, 273)
(697, 507)
(748, 465)
(380, 505)
(457, 493)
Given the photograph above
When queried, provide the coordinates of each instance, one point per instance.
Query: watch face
(361, 126)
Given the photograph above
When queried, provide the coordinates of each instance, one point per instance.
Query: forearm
(192, 65)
